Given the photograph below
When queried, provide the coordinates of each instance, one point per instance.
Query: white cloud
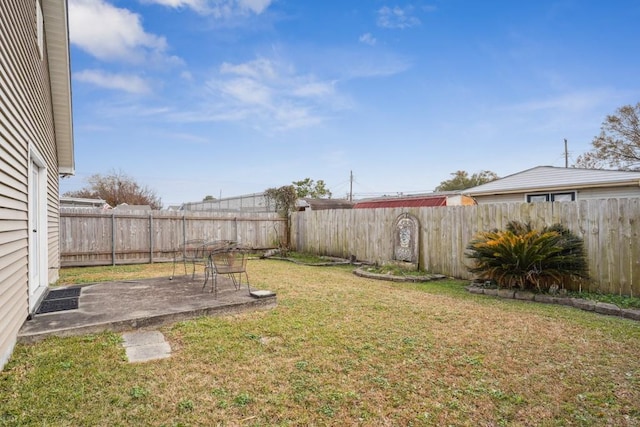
(271, 95)
(397, 18)
(246, 91)
(256, 6)
(279, 77)
(261, 68)
(111, 33)
(126, 82)
(200, 6)
(294, 116)
(313, 89)
(213, 113)
(218, 8)
(367, 38)
(382, 64)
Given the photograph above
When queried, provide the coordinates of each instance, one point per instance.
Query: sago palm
(526, 258)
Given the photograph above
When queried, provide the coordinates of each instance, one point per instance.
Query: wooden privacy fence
(610, 229)
(96, 237)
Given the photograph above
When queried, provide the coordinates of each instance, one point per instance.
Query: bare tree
(618, 145)
(116, 188)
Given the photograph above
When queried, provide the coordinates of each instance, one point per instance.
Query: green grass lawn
(340, 350)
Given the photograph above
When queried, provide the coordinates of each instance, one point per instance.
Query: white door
(37, 231)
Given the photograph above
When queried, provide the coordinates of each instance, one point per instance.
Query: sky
(196, 98)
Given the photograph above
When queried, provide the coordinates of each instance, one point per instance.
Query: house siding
(607, 193)
(26, 120)
(581, 194)
(499, 198)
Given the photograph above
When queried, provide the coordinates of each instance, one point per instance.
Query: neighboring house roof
(417, 201)
(57, 40)
(82, 202)
(550, 178)
(322, 204)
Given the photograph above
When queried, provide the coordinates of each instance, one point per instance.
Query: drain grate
(60, 300)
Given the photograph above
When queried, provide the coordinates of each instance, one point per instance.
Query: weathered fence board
(610, 229)
(95, 237)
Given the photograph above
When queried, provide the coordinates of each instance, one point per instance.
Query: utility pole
(351, 186)
(566, 154)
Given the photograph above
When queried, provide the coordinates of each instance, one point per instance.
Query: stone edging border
(338, 261)
(391, 278)
(582, 304)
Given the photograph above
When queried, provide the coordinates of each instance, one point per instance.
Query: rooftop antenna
(566, 154)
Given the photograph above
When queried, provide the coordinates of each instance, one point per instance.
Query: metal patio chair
(191, 251)
(210, 248)
(232, 263)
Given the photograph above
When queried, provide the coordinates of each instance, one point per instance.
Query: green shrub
(525, 258)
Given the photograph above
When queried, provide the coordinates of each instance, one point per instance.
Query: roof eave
(56, 26)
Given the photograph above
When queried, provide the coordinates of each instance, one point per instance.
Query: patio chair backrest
(232, 261)
(216, 246)
(192, 249)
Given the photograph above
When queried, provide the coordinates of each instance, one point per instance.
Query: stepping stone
(142, 346)
(261, 294)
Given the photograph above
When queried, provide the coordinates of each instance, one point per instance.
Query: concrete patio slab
(139, 304)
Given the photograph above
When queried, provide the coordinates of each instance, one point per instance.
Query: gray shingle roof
(544, 178)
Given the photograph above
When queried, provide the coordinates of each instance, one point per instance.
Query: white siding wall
(500, 198)
(583, 194)
(608, 193)
(25, 118)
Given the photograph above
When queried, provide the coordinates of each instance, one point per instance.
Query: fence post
(235, 226)
(151, 237)
(184, 229)
(113, 237)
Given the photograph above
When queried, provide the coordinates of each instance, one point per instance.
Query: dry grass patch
(81, 275)
(344, 350)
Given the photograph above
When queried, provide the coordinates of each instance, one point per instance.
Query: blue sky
(228, 97)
